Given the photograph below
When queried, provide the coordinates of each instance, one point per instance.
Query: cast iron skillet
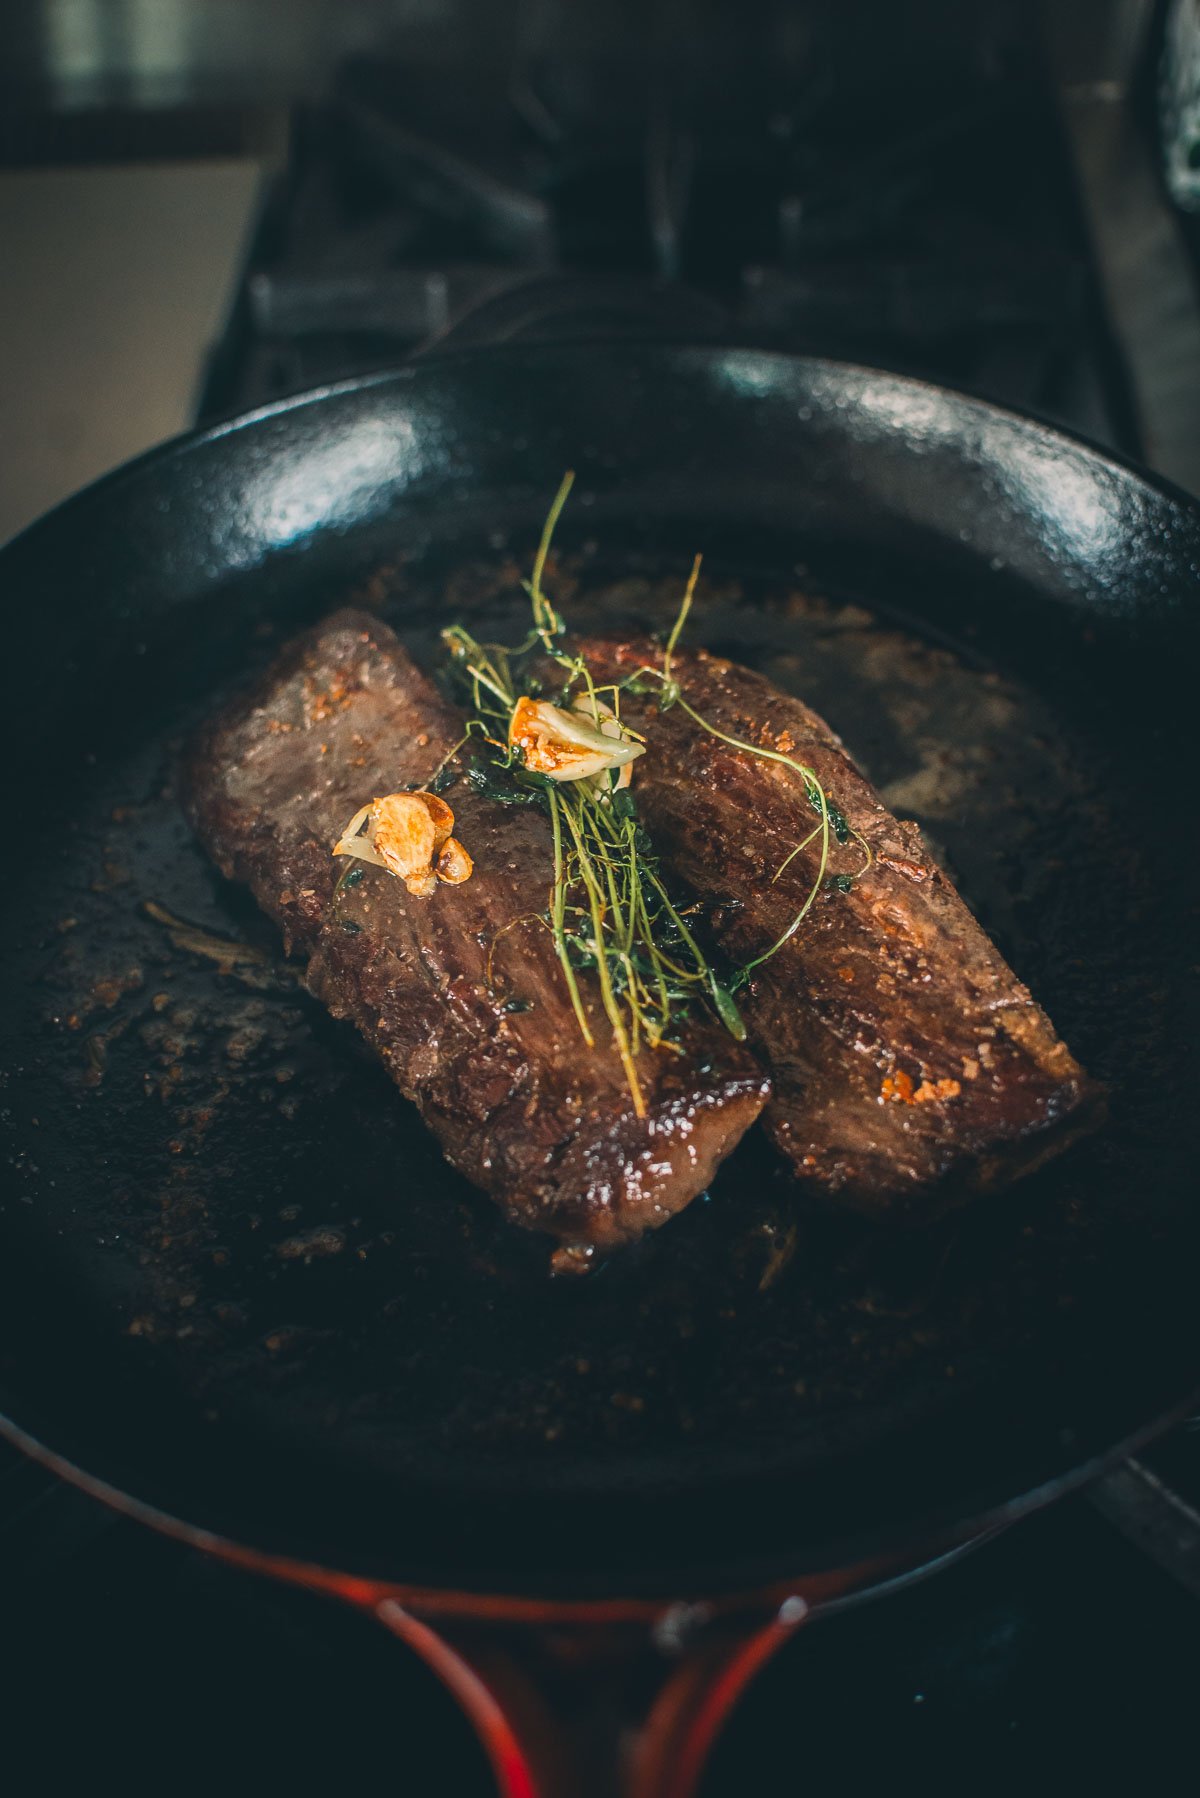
(239, 1283)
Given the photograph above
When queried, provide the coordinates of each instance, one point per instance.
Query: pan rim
(737, 1582)
(184, 443)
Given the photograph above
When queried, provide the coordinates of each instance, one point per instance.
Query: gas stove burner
(544, 198)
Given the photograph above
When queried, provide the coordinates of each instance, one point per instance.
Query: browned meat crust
(902, 1048)
(493, 1057)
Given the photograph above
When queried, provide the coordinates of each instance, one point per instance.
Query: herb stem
(681, 618)
(546, 620)
(558, 901)
(596, 905)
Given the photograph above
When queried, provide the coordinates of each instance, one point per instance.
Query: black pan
(240, 1284)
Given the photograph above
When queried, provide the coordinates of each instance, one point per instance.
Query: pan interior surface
(239, 1280)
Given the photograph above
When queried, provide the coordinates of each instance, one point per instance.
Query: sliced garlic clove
(440, 813)
(403, 833)
(606, 738)
(361, 851)
(350, 843)
(454, 865)
(564, 746)
(408, 833)
(611, 726)
(421, 885)
(600, 716)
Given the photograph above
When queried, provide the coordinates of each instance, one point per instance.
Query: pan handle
(618, 1710)
(561, 308)
(616, 1698)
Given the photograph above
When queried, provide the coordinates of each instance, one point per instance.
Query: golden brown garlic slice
(454, 865)
(610, 726)
(574, 745)
(409, 835)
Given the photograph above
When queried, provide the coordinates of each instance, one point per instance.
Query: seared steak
(459, 992)
(901, 1046)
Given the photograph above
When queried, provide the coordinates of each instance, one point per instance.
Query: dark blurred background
(207, 204)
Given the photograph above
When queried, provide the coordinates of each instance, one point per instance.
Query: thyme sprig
(609, 911)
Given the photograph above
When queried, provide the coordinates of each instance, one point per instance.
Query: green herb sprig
(609, 911)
